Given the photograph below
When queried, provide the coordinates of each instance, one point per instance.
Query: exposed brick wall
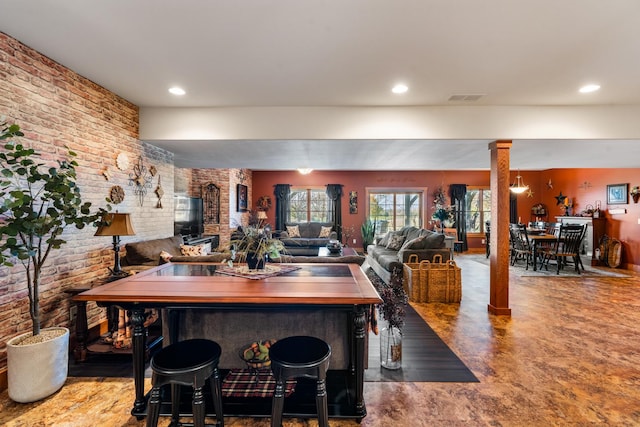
(55, 107)
(190, 181)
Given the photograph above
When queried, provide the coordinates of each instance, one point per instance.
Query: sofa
(148, 253)
(394, 248)
(305, 238)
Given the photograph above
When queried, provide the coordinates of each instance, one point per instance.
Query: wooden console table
(85, 348)
(192, 287)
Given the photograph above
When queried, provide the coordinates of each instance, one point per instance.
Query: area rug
(520, 270)
(425, 357)
(242, 383)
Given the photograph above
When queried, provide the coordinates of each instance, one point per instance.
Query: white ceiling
(231, 53)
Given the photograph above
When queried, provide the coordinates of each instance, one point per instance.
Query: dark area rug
(425, 357)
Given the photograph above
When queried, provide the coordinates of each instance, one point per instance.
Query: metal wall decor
(159, 191)
(140, 179)
(211, 201)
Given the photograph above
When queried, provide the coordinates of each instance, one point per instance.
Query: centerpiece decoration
(392, 310)
(254, 243)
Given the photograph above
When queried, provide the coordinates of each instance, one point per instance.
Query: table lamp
(116, 225)
(262, 215)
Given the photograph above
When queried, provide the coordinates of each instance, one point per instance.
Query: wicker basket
(432, 281)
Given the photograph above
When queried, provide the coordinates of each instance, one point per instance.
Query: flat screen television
(189, 216)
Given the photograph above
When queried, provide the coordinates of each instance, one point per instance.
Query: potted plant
(254, 243)
(368, 230)
(37, 202)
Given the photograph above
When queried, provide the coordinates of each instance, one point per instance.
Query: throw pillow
(293, 230)
(325, 232)
(193, 250)
(434, 241)
(385, 239)
(417, 243)
(165, 256)
(395, 242)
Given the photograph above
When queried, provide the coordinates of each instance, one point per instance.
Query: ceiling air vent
(469, 97)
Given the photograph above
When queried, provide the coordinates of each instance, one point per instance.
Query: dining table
(535, 240)
(341, 293)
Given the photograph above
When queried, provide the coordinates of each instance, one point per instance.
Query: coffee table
(346, 251)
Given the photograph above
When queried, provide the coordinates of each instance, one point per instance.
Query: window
(392, 210)
(309, 204)
(477, 209)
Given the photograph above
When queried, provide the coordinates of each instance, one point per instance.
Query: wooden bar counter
(190, 291)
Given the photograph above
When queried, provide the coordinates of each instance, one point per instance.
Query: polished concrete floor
(568, 356)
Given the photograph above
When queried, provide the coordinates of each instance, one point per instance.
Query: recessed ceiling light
(177, 91)
(589, 88)
(399, 88)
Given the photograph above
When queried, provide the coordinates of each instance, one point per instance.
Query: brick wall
(55, 107)
(190, 181)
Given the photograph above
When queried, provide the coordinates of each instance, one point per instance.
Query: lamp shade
(262, 215)
(117, 224)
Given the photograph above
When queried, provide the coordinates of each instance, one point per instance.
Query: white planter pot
(36, 371)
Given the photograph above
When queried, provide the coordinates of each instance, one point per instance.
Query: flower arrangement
(394, 300)
(348, 233)
(635, 190)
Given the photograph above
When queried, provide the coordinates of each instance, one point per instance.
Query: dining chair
(520, 244)
(566, 247)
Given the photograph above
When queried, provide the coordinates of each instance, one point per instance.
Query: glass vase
(391, 348)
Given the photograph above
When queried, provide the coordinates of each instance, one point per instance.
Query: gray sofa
(147, 253)
(383, 256)
(309, 241)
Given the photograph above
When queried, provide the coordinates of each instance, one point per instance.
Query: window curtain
(281, 192)
(513, 208)
(458, 193)
(334, 192)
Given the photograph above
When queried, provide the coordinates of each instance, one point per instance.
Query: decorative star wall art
(530, 193)
(560, 199)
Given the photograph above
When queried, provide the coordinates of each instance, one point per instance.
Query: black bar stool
(189, 362)
(296, 357)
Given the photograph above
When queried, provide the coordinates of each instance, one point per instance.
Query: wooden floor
(568, 356)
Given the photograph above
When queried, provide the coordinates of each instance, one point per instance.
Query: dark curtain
(334, 192)
(281, 192)
(513, 208)
(458, 192)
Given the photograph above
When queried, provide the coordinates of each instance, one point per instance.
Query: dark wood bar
(313, 291)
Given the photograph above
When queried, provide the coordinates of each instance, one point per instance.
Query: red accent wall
(585, 187)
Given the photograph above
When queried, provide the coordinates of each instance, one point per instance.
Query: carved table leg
(82, 332)
(138, 344)
(359, 325)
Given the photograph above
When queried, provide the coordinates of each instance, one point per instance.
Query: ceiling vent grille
(469, 97)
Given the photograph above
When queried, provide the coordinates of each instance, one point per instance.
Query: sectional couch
(394, 248)
(305, 238)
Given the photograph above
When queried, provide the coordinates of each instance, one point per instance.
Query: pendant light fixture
(518, 186)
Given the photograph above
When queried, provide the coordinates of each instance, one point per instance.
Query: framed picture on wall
(617, 194)
(242, 196)
(353, 202)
